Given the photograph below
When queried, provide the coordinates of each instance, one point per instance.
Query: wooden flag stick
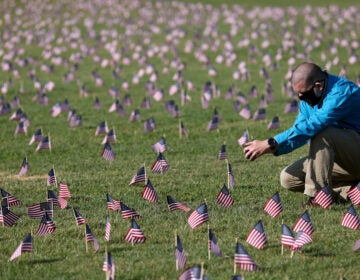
(176, 260)
(180, 132)
(202, 270)
(282, 246)
(209, 253)
(234, 260)
(86, 245)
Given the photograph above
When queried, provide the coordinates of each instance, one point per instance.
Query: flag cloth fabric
(291, 107)
(102, 128)
(21, 128)
(244, 138)
(44, 144)
(46, 226)
(24, 247)
(256, 236)
(303, 223)
(80, 220)
(160, 165)
(127, 212)
(10, 199)
(213, 124)
(134, 233)
(259, 114)
(230, 174)
(112, 204)
(160, 146)
(301, 239)
(135, 116)
(274, 124)
(139, 177)
(245, 112)
(108, 153)
(7, 217)
(324, 197)
(180, 253)
(58, 201)
(224, 198)
(24, 167)
(64, 191)
(193, 273)
(273, 206)
(109, 266)
(182, 130)
(149, 192)
(91, 238)
(356, 245)
(38, 210)
(36, 137)
(107, 228)
(354, 194)
(237, 277)
(213, 244)
(175, 205)
(198, 216)
(110, 137)
(149, 124)
(350, 219)
(222, 153)
(51, 178)
(243, 260)
(287, 237)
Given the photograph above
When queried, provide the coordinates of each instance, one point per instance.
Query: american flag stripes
(273, 205)
(303, 223)
(91, 238)
(324, 197)
(134, 233)
(107, 152)
(44, 144)
(24, 167)
(7, 217)
(213, 124)
(112, 204)
(222, 153)
(110, 137)
(224, 198)
(244, 138)
(354, 194)
(149, 124)
(180, 253)
(39, 209)
(175, 205)
(350, 219)
(231, 182)
(160, 165)
(107, 228)
(51, 178)
(46, 226)
(102, 128)
(55, 200)
(274, 124)
(287, 237)
(301, 239)
(109, 266)
(160, 146)
(139, 177)
(198, 216)
(25, 246)
(36, 137)
(10, 199)
(127, 212)
(193, 273)
(213, 244)
(243, 259)
(80, 220)
(64, 191)
(149, 192)
(256, 236)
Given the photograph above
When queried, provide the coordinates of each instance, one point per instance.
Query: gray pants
(333, 160)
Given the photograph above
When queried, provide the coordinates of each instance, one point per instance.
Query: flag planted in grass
(107, 228)
(51, 178)
(301, 239)
(350, 219)
(180, 253)
(175, 205)
(102, 128)
(287, 237)
(7, 218)
(36, 137)
(160, 165)
(55, 200)
(213, 245)
(127, 212)
(9, 199)
(224, 198)
(64, 191)
(149, 192)
(44, 144)
(243, 260)
(160, 146)
(107, 152)
(25, 246)
(198, 216)
(38, 210)
(46, 226)
(193, 273)
(80, 220)
(112, 203)
(273, 206)
(90, 238)
(304, 223)
(256, 236)
(139, 177)
(222, 153)
(109, 266)
(324, 197)
(354, 194)
(24, 167)
(134, 233)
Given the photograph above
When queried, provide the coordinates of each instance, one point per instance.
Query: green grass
(195, 174)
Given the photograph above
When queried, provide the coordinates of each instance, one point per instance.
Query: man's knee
(285, 179)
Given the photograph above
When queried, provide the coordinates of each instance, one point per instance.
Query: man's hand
(256, 148)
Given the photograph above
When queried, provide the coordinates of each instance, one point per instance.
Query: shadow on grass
(44, 261)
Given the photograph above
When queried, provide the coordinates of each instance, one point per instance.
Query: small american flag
(102, 128)
(180, 253)
(112, 204)
(350, 219)
(274, 124)
(24, 247)
(213, 244)
(224, 198)
(149, 192)
(149, 124)
(301, 239)
(107, 228)
(243, 260)
(109, 266)
(324, 197)
(7, 217)
(51, 178)
(139, 177)
(108, 153)
(303, 223)
(64, 190)
(37, 136)
(24, 167)
(44, 144)
(110, 137)
(160, 165)
(175, 205)
(134, 233)
(46, 226)
(287, 238)
(38, 210)
(291, 107)
(21, 128)
(160, 146)
(58, 201)
(10, 199)
(354, 194)
(273, 205)
(245, 112)
(222, 153)
(127, 212)
(97, 104)
(80, 220)
(198, 216)
(231, 182)
(259, 114)
(91, 238)
(135, 116)
(244, 138)
(182, 130)
(193, 273)
(213, 124)
(256, 236)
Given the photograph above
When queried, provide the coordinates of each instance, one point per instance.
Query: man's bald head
(307, 73)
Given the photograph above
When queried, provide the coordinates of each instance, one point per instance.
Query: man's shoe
(311, 203)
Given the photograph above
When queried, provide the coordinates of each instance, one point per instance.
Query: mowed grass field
(94, 36)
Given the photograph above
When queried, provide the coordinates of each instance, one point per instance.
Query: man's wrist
(272, 144)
